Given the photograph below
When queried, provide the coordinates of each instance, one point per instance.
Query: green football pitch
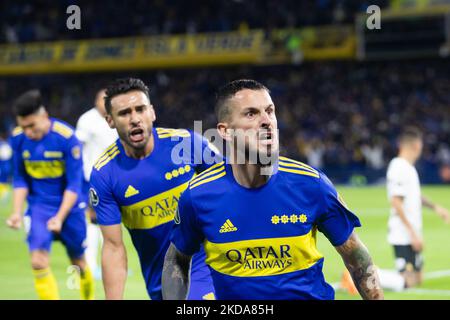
(369, 203)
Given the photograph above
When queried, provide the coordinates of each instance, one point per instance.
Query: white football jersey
(403, 181)
(95, 134)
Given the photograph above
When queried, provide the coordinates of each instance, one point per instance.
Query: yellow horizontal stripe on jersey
(53, 154)
(45, 169)
(215, 177)
(299, 163)
(105, 162)
(210, 173)
(263, 257)
(153, 211)
(302, 172)
(106, 155)
(294, 165)
(201, 174)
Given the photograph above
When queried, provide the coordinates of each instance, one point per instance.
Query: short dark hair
(229, 90)
(121, 86)
(410, 134)
(28, 103)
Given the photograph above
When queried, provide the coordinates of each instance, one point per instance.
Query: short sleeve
(186, 234)
(396, 180)
(74, 165)
(102, 200)
(336, 221)
(19, 174)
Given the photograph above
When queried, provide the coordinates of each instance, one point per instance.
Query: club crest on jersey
(76, 152)
(93, 197)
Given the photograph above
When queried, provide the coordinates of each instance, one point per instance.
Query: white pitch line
(427, 291)
(437, 274)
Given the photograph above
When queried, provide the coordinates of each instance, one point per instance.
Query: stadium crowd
(339, 116)
(45, 20)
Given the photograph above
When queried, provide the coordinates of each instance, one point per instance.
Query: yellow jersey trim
(206, 172)
(210, 173)
(106, 151)
(301, 172)
(62, 129)
(304, 166)
(263, 257)
(289, 165)
(112, 155)
(206, 180)
(167, 133)
(17, 131)
(106, 155)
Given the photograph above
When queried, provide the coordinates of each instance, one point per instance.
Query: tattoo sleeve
(359, 263)
(175, 277)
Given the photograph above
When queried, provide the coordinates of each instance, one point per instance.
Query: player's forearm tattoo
(175, 277)
(359, 263)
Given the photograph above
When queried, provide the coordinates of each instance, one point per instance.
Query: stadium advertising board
(130, 53)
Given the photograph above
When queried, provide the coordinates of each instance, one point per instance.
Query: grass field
(368, 203)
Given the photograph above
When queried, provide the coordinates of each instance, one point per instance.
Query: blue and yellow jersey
(49, 166)
(5, 162)
(144, 194)
(260, 243)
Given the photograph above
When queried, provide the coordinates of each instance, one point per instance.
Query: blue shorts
(72, 235)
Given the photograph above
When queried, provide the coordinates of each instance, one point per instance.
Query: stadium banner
(132, 53)
(319, 43)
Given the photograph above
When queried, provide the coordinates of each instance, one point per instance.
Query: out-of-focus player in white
(95, 134)
(405, 220)
(406, 200)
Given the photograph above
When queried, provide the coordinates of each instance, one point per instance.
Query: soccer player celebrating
(405, 221)
(138, 181)
(95, 135)
(259, 229)
(48, 174)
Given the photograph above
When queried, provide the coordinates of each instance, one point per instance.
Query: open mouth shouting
(136, 135)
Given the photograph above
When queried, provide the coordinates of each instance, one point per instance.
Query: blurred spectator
(342, 117)
(43, 20)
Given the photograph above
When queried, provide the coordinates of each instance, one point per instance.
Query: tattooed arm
(360, 265)
(175, 277)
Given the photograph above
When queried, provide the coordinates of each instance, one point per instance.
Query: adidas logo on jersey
(227, 227)
(131, 191)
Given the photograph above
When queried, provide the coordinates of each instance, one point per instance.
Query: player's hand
(416, 243)
(55, 224)
(443, 213)
(14, 221)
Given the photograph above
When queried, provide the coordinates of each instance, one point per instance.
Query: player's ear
(222, 128)
(110, 121)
